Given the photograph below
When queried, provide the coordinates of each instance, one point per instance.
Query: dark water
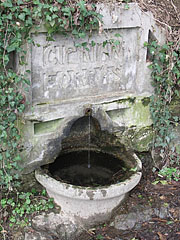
(73, 168)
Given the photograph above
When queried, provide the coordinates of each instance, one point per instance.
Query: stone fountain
(90, 178)
(106, 85)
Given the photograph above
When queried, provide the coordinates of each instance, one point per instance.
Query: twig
(175, 8)
(159, 219)
(5, 48)
(3, 232)
(155, 19)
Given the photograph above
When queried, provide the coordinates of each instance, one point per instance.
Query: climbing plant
(16, 21)
(164, 63)
(165, 68)
(17, 18)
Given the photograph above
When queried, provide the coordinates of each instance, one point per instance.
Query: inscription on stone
(60, 71)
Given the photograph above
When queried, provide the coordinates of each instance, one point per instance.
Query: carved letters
(60, 55)
(61, 71)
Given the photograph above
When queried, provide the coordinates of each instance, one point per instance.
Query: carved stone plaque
(61, 71)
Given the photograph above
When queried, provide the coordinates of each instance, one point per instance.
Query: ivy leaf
(7, 4)
(11, 48)
(75, 32)
(175, 54)
(78, 45)
(54, 16)
(48, 18)
(13, 219)
(133, 169)
(19, 2)
(52, 23)
(163, 182)
(22, 16)
(176, 118)
(82, 35)
(82, 6)
(117, 35)
(50, 205)
(28, 201)
(105, 43)
(126, 6)
(116, 42)
(93, 43)
(155, 182)
(60, 1)
(84, 44)
(66, 11)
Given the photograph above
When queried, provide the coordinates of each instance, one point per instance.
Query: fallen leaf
(161, 236)
(159, 219)
(162, 197)
(155, 182)
(163, 182)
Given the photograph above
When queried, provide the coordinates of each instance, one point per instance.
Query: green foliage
(163, 182)
(126, 6)
(99, 236)
(17, 18)
(76, 18)
(167, 174)
(165, 68)
(22, 204)
(170, 173)
(113, 42)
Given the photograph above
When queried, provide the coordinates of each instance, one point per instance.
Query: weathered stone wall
(65, 80)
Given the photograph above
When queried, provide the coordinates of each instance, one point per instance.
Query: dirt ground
(145, 194)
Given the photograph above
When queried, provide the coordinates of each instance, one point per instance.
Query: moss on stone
(46, 127)
(145, 101)
(175, 107)
(142, 139)
(133, 113)
(138, 139)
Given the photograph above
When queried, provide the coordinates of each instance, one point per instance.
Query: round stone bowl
(93, 205)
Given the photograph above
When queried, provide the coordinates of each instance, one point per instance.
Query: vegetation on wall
(16, 21)
(76, 18)
(165, 68)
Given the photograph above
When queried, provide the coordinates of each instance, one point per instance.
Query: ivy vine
(17, 18)
(165, 68)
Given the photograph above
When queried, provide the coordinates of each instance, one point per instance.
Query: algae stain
(90, 194)
(145, 101)
(104, 192)
(80, 192)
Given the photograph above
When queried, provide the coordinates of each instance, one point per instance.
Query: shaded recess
(105, 169)
(86, 142)
(151, 38)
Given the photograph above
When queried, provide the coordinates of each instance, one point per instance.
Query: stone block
(66, 79)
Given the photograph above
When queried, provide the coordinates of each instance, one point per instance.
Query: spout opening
(88, 112)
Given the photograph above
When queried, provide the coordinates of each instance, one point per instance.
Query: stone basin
(90, 204)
